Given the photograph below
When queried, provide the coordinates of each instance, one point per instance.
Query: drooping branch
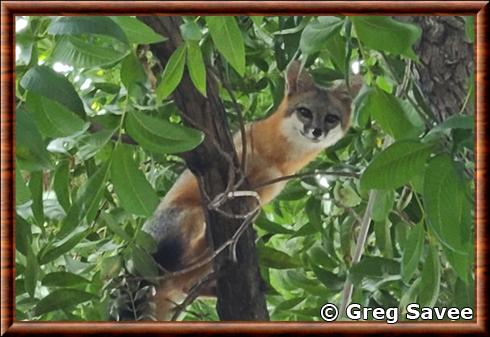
(215, 165)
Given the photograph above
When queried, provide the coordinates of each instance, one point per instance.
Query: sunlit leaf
(61, 184)
(317, 33)
(387, 34)
(137, 31)
(228, 40)
(446, 204)
(158, 135)
(63, 246)
(135, 193)
(52, 118)
(77, 25)
(22, 193)
(396, 165)
(197, 69)
(172, 74)
(44, 81)
(79, 53)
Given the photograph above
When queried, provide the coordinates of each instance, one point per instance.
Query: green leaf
(30, 150)
(461, 263)
(317, 32)
(389, 112)
(49, 253)
(409, 296)
(63, 279)
(91, 143)
(313, 210)
(271, 227)
(87, 201)
(412, 251)
(144, 263)
(374, 267)
(135, 193)
(190, 31)
(75, 51)
(52, 118)
(383, 204)
(329, 279)
(195, 64)
(136, 31)
(110, 267)
(158, 135)
(22, 193)
(257, 20)
(382, 231)
(92, 191)
(110, 88)
(46, 82)
(23, 235)
(319, 257)
(464, 294)
(114, 226)
(31, 272)
(62, 299)
(396, 165)
(469, 28)
(430, 279)
(228, 40)
(132, 71)
(384, 33)
(289, 304)
(146, 241)
(172, 74)
(36, 188)
(454, 122)
(78, 25)
(446, 204)
(61, 184)
(273, 258)
(346, 195)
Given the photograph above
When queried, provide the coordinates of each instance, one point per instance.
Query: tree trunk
(239, 292)
(446, 63)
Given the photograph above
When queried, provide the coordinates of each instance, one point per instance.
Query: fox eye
(331, 119)
(306, 113)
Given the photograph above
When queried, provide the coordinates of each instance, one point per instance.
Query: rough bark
(239, 292)
(446, 63)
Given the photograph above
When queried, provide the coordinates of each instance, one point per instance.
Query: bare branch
(307, 174)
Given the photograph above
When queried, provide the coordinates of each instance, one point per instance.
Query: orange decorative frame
(10, 9)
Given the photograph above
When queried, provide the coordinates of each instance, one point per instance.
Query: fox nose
(317, 132)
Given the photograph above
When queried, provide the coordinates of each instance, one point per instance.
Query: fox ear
(298, 80)
(347, 94)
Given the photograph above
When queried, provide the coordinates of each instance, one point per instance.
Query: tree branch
(215, 165)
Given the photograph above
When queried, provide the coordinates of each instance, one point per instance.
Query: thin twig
(361, 241)
(226, 84)
(201, 262)
(359, 250)
(193, 293)
(306, 174)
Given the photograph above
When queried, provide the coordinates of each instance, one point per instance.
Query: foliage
(82, 195)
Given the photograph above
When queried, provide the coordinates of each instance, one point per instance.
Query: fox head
(316, 117)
